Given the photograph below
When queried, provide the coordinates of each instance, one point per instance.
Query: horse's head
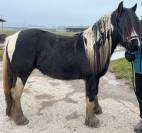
(126, 27)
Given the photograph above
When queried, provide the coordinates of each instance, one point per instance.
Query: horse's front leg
(92, 102)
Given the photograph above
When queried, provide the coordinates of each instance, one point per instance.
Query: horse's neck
(115, 42)
(114, 45)
(113, 48)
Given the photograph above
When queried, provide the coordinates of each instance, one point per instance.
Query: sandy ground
(57, 106)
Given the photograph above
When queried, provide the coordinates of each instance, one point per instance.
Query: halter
(134, 36)
(130, 39)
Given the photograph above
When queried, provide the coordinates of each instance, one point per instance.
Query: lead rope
(133, 83)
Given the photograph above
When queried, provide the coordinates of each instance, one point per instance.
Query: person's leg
(138, 91)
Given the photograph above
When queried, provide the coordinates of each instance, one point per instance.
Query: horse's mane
(97, 43)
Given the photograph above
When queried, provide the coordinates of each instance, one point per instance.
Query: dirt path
(57, 106)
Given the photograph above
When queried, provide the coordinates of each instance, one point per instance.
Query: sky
(59, 12)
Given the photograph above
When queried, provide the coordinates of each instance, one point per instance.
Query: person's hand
(130, 56)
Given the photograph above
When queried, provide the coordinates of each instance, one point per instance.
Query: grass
(65, 33)
(122, 69)
(1, 54)
(8, 32)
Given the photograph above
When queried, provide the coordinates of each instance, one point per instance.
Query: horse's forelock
(130, 21)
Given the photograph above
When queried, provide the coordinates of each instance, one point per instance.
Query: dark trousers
(138, 83)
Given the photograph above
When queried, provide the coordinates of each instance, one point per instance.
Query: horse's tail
(7, 84)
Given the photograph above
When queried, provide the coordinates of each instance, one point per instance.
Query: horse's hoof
(92, 122)
(22, 121)
(138, 127)
(98, 110)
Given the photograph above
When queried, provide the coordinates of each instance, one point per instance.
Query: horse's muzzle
(134, 45)
(130, 56)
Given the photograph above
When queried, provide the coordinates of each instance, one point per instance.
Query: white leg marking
(18, 89)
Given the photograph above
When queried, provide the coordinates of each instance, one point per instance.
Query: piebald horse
(83, 56)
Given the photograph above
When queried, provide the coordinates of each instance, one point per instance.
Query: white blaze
(134, 35)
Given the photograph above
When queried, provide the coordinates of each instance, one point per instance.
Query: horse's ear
(120, 8)
(134, 7)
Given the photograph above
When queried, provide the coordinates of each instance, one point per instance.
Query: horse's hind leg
(16, 110)
(97, 109)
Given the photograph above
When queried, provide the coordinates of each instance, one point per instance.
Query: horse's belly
(56, 70)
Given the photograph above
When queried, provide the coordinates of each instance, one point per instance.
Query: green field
(1, 53)
(10, 32)
(122, 70)
(65, 33)
(7, 32)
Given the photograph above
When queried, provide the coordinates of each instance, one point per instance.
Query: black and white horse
(84, 56)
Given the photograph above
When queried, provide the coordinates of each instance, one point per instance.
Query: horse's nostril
(133, 48)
